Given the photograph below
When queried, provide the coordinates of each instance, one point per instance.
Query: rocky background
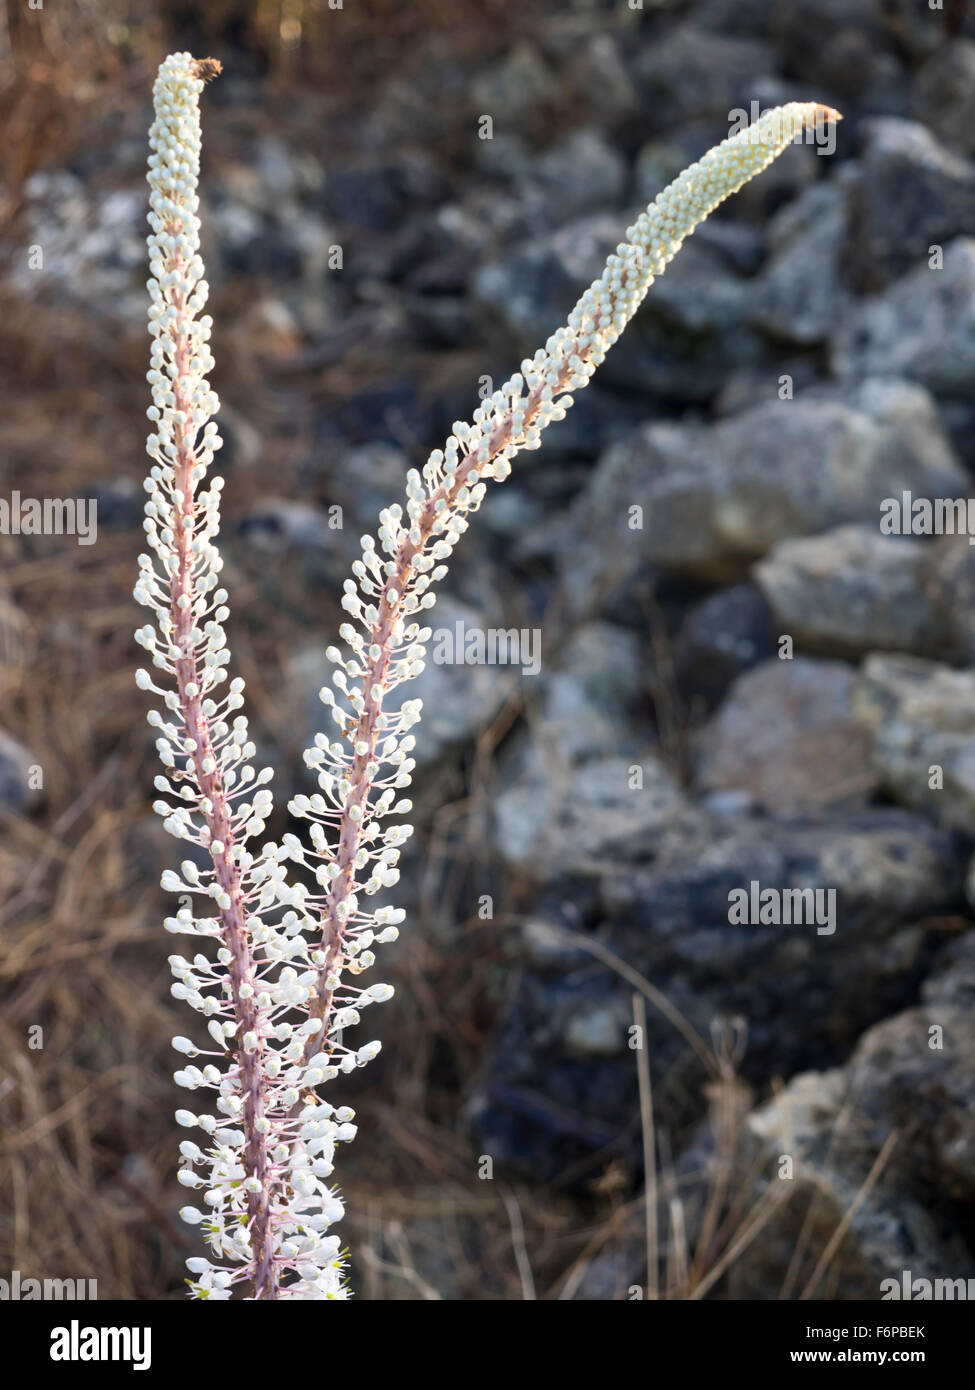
(795, 688)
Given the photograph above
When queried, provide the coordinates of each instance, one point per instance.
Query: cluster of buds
(274, 983)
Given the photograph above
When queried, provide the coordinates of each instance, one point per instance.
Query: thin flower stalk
(266, 1201)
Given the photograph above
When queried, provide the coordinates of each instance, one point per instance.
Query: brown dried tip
(827, 113)
(207, 68)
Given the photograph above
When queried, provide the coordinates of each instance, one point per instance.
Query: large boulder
(707, 500)
(853, 590)
(787, 738)
(561, 1072)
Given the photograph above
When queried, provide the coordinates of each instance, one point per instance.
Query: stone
(788, 735)
(688, 74)
(887, 1231)
(953, 568)
(585, 710)
(533, 287)
(661, 159)
(951, 980)
(579, 173)
(374, 196)
(669, 918)
(598, 79)
(294, 542)
(943, 94)
(708, 500)
(915, 1074)
(856, 54)
(853, 590)
(93, 245)
(799, 296)
(368, 478)
(907, 194)
(551, 819)
(922, 327)
(911, 25)
(515, 91)
(804, 998)
(724, 635)
(921, 717)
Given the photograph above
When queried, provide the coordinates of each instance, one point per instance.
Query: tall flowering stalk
(276, 987)
(266, 1202)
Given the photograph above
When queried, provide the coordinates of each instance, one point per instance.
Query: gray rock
(752, 386)
(921, 717)
(688, 75)
(787, 734)
(532, 289)
(545, 946)
(554, 818)
(277, 168)
(670, 920)
(952, 977)
(921, 31)
(369, 478)
(516, 90)
(726, 634)
(915, 1074)
(580, 173)
(413, 108)
(506, 157)
(805, 998)
(698, 294)
(856, 53)
(853, 590)
(459, 700)
(943, 95)
(740, 246)
(908, 193)
(922, 327)
(813, 1122)
(93, 245)
(799, 296)
(661, 159)
(597, 77)
(599, 1029)
(953, 566)
(585, 706)
(714, 498)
